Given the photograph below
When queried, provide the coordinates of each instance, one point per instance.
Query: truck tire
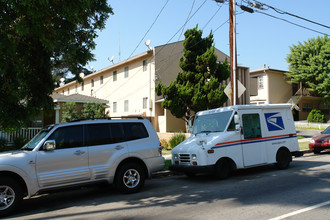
(222, 169)
(130, 177)
(283, 158)
(11, 195)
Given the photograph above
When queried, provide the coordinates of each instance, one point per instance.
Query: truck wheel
(130, 178)
(283, 158)
(222, 169)
(316, 151)
(11, 195)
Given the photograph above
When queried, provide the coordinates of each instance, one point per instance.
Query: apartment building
(129, 86)
(271, 86)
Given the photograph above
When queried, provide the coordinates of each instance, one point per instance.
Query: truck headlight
(312, 141)
(193, 157)
(175, 157)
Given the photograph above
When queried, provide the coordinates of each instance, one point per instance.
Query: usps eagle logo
(274, 121)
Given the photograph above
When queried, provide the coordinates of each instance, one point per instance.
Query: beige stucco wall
(279, 90)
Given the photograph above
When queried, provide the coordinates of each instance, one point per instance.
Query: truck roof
(246, 107)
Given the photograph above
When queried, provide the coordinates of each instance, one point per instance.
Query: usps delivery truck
(236, 137)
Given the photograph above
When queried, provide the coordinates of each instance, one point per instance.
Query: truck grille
(184, 158)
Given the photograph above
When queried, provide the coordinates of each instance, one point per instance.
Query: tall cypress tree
(198, 86)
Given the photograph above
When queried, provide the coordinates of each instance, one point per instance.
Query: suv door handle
(119, 147)
(79, 152)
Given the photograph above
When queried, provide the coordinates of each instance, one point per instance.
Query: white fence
(25, 133)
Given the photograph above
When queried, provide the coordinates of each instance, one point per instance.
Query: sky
(261, 39)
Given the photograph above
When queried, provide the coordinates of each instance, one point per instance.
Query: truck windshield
(36, 139)
(216, 122)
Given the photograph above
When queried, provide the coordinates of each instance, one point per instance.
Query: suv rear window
(135, 131)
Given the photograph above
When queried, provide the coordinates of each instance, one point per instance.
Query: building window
(114, 75)
(145, 65)
(82, 86)
(114, 106)
(126, 72)
(101, 80)
(307, 107)
(92, 82)
(68, 91)
(145, 103)
(91, 92)
(76, 88)
(63, 91)
(126, 106)
(260, 82)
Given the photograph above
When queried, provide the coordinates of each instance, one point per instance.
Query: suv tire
(11, 195)
(130, 177)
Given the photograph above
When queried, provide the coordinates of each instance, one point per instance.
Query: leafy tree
(69, 112)
(197, 87)
(93, 110)
(39, 39)
(309, 62)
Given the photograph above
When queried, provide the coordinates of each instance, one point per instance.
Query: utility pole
(233, 56)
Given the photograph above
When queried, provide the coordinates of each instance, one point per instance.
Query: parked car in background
(320, 142)
(122, 151)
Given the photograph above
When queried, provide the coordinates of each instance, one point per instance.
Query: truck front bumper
(192, 169)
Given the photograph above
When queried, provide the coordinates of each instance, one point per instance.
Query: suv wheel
(11, 195)
(130, 178)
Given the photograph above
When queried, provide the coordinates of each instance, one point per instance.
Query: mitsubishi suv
(120, 151)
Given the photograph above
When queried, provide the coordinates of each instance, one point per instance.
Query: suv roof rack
(107, 118)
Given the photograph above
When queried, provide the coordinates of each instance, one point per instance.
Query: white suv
(124, 152)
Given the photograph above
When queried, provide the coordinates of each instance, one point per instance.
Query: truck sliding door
(253, 146)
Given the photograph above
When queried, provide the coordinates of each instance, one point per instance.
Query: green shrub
(316, 116)
(176, 139)
(164, 144)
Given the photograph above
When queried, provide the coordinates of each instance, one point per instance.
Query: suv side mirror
(49, 145)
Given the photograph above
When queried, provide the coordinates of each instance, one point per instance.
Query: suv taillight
(160, 149)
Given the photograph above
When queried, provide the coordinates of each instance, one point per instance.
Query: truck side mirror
(237, 123)
(236, 119)
(49, 145)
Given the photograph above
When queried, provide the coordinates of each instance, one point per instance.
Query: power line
(293, 15)
(290, 22)
(192, 6)
(149, 29)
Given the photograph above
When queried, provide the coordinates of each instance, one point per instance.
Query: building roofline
(267, 69)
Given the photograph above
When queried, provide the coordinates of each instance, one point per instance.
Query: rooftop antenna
(62, 81)
(147, 43)
(111, 59)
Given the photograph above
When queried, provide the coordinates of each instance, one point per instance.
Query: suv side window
(135, 131)
(98, 134)
(117, 133)
(68, 137)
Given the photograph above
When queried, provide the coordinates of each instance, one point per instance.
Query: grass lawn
(304, 145)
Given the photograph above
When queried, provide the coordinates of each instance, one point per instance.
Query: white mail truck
(236, 137)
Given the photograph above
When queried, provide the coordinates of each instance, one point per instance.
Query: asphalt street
(300, 192)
